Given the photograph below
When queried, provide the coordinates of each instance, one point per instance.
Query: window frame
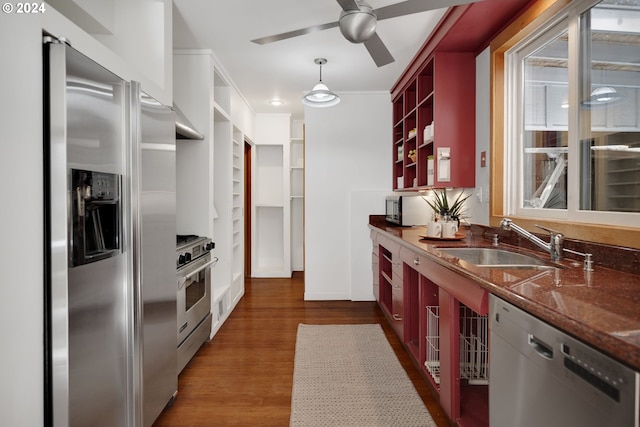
(515, 119)
(597, 226)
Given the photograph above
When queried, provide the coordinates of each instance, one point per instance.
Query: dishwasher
(540, 376)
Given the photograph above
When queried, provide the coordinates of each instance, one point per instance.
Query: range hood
(184, 128)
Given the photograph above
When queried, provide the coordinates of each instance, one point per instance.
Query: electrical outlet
(479, 194)
(485, 194)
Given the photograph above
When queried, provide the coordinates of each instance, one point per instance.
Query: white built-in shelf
(220, 115)
(269, 205)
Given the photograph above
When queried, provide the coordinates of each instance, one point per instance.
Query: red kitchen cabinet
(434, 125)
(439, 86)
(434, 311)
(390, 295)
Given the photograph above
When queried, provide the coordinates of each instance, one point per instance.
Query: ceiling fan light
(358, 26)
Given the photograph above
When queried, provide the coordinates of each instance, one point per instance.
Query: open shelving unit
(272, 211)
(271, 198)
(434, 118)
(297, 203)
(222, 177)
(237, 217)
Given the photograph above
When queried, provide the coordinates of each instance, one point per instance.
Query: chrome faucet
(554, 247)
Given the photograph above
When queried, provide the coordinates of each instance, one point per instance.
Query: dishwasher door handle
(542, 349)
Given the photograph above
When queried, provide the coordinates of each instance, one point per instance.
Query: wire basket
(432, 361)
(474, 349)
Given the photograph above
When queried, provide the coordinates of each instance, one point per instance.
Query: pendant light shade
(602, 96)
(320, 95)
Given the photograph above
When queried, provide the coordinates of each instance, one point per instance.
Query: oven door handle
(184, 279)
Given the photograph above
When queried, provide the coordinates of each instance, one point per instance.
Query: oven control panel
(192, 250)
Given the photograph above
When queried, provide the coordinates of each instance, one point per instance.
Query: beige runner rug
(348, 376)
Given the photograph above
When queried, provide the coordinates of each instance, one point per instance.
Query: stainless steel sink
(496, 258)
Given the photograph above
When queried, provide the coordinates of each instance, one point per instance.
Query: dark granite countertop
(601, 307)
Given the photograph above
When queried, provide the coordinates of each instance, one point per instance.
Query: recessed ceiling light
(276, 102)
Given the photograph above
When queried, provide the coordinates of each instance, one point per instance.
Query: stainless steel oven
(194, 263)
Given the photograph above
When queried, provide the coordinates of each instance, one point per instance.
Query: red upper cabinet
(434, 125)
(437, 92)
(454, 119)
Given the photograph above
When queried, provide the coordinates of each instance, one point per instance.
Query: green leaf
(440, 203)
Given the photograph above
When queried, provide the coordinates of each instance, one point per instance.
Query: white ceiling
(285, 69)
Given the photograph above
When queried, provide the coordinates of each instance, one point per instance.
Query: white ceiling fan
(358, 21)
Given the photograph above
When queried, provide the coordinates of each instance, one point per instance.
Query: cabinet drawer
(463, 289)
(389, 244)
(414, 260)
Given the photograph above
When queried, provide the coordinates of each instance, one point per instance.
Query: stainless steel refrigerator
(156, 243)
(110, 286)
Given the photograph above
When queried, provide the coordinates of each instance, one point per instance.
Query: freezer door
(157, 204)
(88, 306)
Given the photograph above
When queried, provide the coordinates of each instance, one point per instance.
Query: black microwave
(406, 210)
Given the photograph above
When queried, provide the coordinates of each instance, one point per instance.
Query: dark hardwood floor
(243, 377)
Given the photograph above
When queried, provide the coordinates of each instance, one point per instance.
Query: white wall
(347, 174)
(483, 135)
(21, 218)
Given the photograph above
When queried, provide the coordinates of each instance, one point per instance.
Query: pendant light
(320, 95)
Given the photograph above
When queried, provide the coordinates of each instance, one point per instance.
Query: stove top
(181, 239)
(191, 247)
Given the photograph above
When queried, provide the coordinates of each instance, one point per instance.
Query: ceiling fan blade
(378, 51)
(415, 6)
(348, 5)
(295, 33)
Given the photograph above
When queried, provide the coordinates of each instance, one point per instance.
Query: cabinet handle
(416, 261)
(396, 317)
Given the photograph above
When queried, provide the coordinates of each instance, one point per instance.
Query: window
(572, 116)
